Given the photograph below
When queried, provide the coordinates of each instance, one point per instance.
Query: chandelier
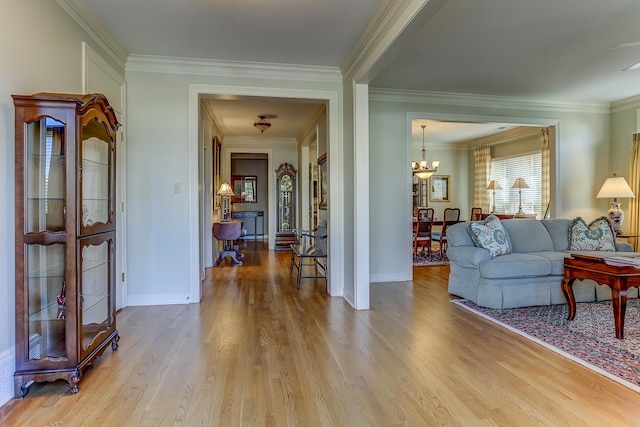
(262, 125)
(421, 169)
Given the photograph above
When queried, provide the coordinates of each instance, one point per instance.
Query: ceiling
(571, 51)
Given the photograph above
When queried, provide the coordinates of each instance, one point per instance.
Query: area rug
(589, 339)
(423, 260)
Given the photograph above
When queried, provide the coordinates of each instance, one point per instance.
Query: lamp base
(616, 216)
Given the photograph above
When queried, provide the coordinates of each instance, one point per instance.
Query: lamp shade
(615, 187)
(520, 183)
(225, 190)
(494, 185)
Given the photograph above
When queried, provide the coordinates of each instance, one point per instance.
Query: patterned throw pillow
(597, 236)
(490, 235)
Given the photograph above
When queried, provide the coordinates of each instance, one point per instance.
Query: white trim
(468, 118)
(159, 299)
(625, 104)
(261, 142)
(236, 69)
(496, 102)
(89, 23)
(336, 193)
(361, 220)
(7, 369)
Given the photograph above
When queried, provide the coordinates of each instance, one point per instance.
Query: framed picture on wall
(244, 189)
(323, 180)
(440, 188)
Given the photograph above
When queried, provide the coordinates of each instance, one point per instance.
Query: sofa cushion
(558, 229)
(490, 235)
(597, 236)
(528, 235)
(515, 265)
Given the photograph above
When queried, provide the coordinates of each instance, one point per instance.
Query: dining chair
(476, 214)
(422, 231)
(451, 216)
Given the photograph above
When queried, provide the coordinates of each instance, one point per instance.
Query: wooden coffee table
(617, 275)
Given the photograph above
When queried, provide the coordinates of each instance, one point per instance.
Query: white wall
(583, 149)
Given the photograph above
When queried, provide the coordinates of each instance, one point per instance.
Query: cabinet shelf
(47, 314)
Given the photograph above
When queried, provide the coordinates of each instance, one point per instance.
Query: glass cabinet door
(96, 166)
(95, 286)
(286, 189)
(45, 176)
(46, 288)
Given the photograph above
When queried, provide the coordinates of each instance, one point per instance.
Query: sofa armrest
(467, 256)
(624, 247)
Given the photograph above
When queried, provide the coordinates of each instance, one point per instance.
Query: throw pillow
(490, 235)
(597, 236)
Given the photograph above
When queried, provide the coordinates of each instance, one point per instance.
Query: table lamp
(520, 184)
(494, 185)
(615, 187)
(226, 192)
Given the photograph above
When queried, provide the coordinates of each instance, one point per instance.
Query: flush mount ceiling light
(262, 125)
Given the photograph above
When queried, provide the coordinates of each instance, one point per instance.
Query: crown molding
(77, 10)
(384, 27)
(260, 141)
(626, 104)
(212, 67)
(494, 102)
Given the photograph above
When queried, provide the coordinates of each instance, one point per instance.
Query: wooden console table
(253, 221)
(227, 232)
(615, 274)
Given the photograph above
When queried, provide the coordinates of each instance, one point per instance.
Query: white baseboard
(7, 369)
(388, 278)
(137, 300)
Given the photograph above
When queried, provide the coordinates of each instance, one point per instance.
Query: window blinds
(505, 170)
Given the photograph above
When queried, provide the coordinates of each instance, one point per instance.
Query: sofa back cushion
(457, 235)
(558, 229)
(528, 235)
(597, 236)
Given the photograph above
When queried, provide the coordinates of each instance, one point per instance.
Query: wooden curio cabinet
(65, 235)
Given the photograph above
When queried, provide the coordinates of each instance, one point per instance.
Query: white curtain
(634, 183)
(546, 165)
(482, 157)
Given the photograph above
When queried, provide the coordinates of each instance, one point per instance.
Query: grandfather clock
(286, 197)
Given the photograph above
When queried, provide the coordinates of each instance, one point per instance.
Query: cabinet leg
(114, 343)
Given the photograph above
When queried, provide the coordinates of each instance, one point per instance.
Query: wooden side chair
(476, 214)
(451, 216)
(310, 250)
(422, 231)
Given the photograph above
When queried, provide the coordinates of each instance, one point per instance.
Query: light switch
(399, 192)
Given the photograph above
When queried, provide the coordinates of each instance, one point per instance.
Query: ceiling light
(262, 125)
(421, 169)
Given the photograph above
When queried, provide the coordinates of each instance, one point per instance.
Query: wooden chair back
(476, 214)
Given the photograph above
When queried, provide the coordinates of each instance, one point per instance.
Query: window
(506, 170)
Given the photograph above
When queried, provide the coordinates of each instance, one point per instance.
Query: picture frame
(244, 189)
(323, 181)
(440, 188)
(217, 172)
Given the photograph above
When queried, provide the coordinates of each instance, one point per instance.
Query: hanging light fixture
(262, 125)
(421, 169)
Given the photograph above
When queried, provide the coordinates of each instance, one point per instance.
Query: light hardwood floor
(256, 352)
